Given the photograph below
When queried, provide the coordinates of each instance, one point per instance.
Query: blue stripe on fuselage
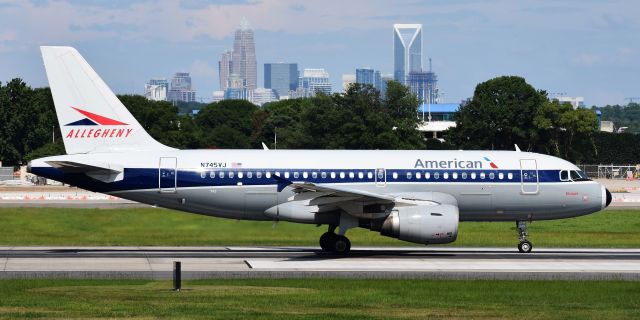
(147, 178)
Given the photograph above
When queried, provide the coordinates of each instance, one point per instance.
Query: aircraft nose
(609, 197)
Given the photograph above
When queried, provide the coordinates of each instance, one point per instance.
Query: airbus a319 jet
(415, 196)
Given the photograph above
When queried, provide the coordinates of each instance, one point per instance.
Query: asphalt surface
(288, 262)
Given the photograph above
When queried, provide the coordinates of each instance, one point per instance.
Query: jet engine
(420, 224)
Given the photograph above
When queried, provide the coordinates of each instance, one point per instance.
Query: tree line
(502, 112)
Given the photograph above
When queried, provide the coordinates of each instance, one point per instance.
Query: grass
(151, 226)
(320, 299)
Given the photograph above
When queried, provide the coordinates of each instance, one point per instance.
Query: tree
(226, 124)
(500, 114)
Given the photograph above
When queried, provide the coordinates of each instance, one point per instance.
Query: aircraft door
(167, 175)
(529, 176)
(381, 177)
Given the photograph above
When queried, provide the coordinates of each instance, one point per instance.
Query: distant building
(369, 76)
(576, 102)
(236, 88)
(281, 77)
(606, 126)
(218, 96)
(156, 89)
(424, 85)
(225, 67)
(244, 55)
(260, 96)
(347, 80)
(384, 80)
(181, 89)
(407, 50)
(313, 81)
(437, 117)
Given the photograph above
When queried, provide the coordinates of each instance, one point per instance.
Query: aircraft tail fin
(91, 117)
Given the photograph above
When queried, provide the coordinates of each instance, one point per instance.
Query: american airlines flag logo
(236, 164)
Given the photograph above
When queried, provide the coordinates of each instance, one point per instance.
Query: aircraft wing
(102, 172)
(340, 191)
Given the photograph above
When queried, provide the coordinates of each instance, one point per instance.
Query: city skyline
(578, 48)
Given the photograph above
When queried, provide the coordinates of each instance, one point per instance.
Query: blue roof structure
(439, 107)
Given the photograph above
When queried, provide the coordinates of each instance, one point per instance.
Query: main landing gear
(332, 242)
(524, 246)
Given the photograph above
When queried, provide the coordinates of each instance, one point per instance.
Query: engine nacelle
(422, 224)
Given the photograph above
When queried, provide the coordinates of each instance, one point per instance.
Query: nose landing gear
(524, 246)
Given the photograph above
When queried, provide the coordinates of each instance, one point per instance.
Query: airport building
(437, 117)
(281, 77)
(407, 50)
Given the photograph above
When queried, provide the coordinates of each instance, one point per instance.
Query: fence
(6, 173)
(611, 171)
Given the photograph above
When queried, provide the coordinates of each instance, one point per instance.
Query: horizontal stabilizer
(101, 172)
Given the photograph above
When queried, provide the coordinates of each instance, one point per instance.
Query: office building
(217, 96)
(407, 50)
(384, 80)
(347, 80)
(313, 81)
(576, 102)
(156, 89)
(244, 55)
(369, 76)
(260, 96)
(236, 88)
(181, 89)
(424, 85)
(281, 77)
(225, 67)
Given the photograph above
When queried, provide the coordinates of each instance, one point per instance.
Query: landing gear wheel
(525, 247)
(326, 240)
(340, 245)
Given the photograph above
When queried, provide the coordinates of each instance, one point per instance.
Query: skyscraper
(156, 89)
(225, 67)
(281, 77)
(244, 55)
(407, 50)
(181, 89)
(369, 76)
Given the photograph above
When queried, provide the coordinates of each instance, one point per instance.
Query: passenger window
(268, 174)
(436, 175)
(231, 174)
(286, 175)
(333, 175)
(510, 175)
(277, 174)
(464, 175)
(360, 175)
(221, 174)
(455, 175)
(482, 175)
(369, 175)
(240, 175)
(212, 174)
(351, 175)
(258, 174)
(427, 175)
(500, 175)
(305, 175)
(314, 174)
(564, 175)
(409, 175)
(203, 174)
(395, 175)
(473, 175)
(446, 175)
(296, 175)
(341, 175)
(323, 175)
(492, 175)
(418, 175)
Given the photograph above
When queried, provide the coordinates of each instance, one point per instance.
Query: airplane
(418, 196)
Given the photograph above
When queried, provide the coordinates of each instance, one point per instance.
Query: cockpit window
(564, 175)
(579, 176)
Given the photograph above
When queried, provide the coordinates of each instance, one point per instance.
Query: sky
(588, 48)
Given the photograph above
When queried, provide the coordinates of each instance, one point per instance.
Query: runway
(289, 262)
